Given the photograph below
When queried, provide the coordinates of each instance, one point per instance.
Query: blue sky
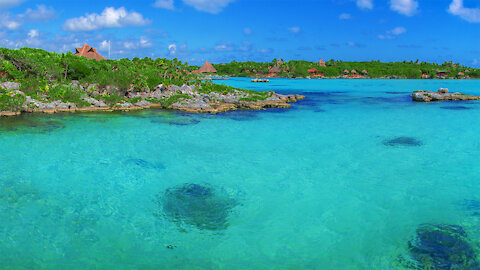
(258, 30)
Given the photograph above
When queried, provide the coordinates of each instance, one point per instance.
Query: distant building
(346, 72)
(322, 63)
(313, 72)
(89, 53)
(207, 68)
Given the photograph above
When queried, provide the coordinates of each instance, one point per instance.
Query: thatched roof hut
(207, 68)
(461, 74)
(364, 71)
(89, 53)
(354, 71)
(346, 71)
(275, 69)
(321, 63)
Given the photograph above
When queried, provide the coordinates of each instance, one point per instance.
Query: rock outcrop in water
(443, 247)
(201, 206)
(441, 95)
(189, 98)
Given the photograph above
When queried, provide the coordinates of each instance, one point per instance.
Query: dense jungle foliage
(335, 68)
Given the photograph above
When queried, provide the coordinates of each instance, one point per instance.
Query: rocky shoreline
(185, 98)
(441, 95)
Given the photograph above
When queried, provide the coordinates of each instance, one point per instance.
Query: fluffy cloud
(468, 14)
(9, 3)
(365, 4)
(345, 16)
(405, 7)
(392, 34)
(6, 21)
(210, 6)
(42, 13)
(33, 33)
(110, 18)
(166, 4)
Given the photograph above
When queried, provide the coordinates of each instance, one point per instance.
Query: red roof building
(89, 53)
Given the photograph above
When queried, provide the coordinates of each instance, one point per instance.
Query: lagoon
(342, 180)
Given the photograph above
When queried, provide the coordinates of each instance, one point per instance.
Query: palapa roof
(461, 73)
(207, 68)
(346, 71)
(312, 70)
(275, 69)
(89, 53)
(364, 71)
(321, 63)
(354, 71)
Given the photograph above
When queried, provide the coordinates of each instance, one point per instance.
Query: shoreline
(214, 107)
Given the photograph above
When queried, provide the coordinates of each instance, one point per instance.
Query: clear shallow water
(317, 186)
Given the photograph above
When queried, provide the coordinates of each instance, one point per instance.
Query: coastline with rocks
(441, 95)
(188, 98)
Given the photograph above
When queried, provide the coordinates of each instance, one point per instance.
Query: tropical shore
(185, 98)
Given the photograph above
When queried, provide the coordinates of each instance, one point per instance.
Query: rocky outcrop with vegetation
(441, 95)
(33, 80)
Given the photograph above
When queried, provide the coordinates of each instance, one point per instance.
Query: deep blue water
(342, 180)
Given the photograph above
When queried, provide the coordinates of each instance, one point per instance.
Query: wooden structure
(88, 52)
(206, 68)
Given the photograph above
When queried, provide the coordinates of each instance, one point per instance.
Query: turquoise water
(316, 186)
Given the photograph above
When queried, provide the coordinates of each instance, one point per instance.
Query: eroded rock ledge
(184, 98)
(441, 95)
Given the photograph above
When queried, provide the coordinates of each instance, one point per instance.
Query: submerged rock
(27, 124)
(456, 108)
(201, 206)
(144, 164)
(402, 141)
(442, 247)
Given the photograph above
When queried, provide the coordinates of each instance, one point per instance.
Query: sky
(250, 30)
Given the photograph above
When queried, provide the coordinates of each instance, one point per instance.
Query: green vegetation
(335, 68)
(10, 101)
(173, 99)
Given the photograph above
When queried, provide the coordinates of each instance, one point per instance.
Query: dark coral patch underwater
(201, 206)
(30, 125)
(403, 141)
(442, 247)
(455, 108)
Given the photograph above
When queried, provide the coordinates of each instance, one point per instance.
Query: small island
(441, 95)
(34, 80)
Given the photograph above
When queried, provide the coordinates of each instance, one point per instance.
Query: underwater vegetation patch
(16, 193)
(455, 108)
(30, 124)
(403, 141)
(240, 115)
(442, 247)
(176, 120)
(201, 206)
(144, 164)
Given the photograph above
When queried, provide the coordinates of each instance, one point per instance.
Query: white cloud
(294, 29)
(405, 7)
(468, 14)
(9, 23)
(42, 13)
(247, 31)
(210, 6)
(145, 42)
(392, 34)
(172, 48)
(33, 33)
(345, 16)
(110, 18)
(166, 4)
(365, 4)
(9, 3)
